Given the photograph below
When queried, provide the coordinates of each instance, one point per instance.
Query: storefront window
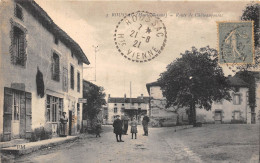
(54, 108)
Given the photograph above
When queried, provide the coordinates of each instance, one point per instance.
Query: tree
(252, 12)
(194, 80)
(95, 99)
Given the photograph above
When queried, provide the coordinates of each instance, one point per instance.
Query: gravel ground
(217, 143)
(210, 143)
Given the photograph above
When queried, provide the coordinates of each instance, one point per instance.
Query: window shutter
(21, 53)
(8, 101)
(28, 105)
(22, 116)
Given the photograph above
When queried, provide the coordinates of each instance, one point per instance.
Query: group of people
(121, 127)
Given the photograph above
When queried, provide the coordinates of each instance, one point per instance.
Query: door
(16, 114)
(70, 121)
(28, 114)
(218, 117)
(8, 101)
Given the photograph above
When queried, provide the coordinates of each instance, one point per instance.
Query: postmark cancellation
(140, 36)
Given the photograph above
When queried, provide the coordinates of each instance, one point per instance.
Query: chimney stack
(142, 96)
(108, 96)
(125, 96)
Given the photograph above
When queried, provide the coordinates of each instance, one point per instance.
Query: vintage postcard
(129, 81)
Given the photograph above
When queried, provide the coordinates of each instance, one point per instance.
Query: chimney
(125, 96)
(108, 96)
(142, 96)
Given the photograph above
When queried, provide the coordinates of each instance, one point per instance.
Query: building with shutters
(124, 106)
(236, 110)
(159, 114)
(41, 72)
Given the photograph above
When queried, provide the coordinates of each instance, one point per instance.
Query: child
(133, 125)
(98, 128)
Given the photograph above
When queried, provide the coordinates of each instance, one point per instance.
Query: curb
(27, 148)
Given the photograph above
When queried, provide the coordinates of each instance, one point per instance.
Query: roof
(48, 23)
(89, 83)
(128, 100)
(148, 85)
(236, 81)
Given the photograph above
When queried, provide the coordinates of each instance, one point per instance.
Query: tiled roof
(236, 81)
(128, 100)
(48, 23)
(148, 85)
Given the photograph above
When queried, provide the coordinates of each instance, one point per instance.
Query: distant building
(160, 115)
(235, 111)
(130, 107)
(41, 72)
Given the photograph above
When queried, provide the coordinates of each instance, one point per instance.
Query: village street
(210, 143)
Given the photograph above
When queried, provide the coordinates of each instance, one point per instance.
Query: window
(71, 77)
(54, 108)
(16, 105)
(123, 104)
(237, 115)
(132, 103)
(18, 12)
(55, 67)
(236, 99)
(56, 40)
(78, 82)
(65, 80)
(139, 104)
(115, 104)
(18, 47)
(122, 110)
(115, 110)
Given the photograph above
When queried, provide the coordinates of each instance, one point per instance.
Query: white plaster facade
(40, 47)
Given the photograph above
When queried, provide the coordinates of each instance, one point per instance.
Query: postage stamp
(236, 42)
(140, 36)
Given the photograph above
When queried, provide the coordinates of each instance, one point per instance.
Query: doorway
(70, 121)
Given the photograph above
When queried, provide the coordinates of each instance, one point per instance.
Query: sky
(92, 24)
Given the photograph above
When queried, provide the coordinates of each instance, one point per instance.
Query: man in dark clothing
(118, 129)
(125, 125)
(145, 122)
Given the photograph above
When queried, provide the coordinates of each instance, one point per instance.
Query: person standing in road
(63, 124)
(125, 125)
(98, 128)
(145, 125)
(133, 125)
(118, 129)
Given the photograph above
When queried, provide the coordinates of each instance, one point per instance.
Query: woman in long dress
(133, 125)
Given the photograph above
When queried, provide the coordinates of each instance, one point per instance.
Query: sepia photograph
(132, 81)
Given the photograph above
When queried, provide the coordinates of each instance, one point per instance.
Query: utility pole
(95, 50)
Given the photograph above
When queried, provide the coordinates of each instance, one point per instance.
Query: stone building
(41, 72)
(159, 114)
(130, 107)
(236, 110)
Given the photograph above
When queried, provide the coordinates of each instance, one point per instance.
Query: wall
(228, 107)
(111, 106)
(40, 47)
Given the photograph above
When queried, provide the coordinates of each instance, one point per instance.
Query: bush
(40, 134)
